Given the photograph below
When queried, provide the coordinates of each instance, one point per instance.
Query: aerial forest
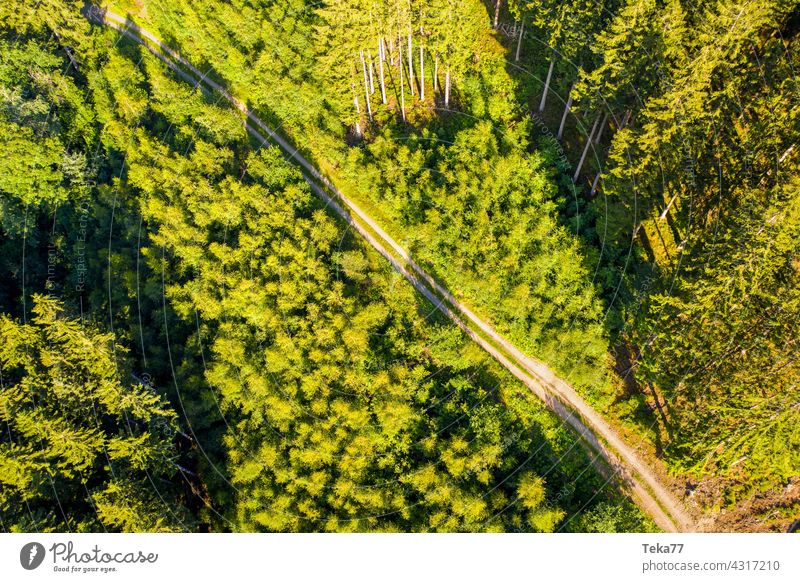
(200, 330)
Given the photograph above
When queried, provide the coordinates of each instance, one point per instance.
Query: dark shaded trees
(82, 449)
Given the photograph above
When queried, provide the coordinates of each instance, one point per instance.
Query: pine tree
(76, 435)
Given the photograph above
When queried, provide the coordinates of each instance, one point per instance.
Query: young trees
(347, 408)
(338, 421)
(483, 218)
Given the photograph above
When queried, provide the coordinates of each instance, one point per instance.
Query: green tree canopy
(81, 449)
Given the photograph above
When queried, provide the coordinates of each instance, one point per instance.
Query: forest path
(606, 449)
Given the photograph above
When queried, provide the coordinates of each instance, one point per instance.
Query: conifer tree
(81, 449)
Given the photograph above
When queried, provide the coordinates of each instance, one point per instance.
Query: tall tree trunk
(497, 4)
(371, 74)
(663, 215)
(585, 150)
(786, 153)
(594, 184)
(519, 40)
(547, 82)
(410, 61)
(402, 88)
(602, 127)
(391, 52)
(447, 88)
(381, 58)
(626, 120)
(566, 112)
(435, 73)
(358, 109)
(366, 85)
(421, 71)
(65, 49)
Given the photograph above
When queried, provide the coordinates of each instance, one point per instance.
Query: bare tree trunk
(358, 109)
(421, 61)
(371, 74)
(786, 153)
(663, 215)
(366, 85)
(447, 88)
(391, 52)
(547, 82)
(435, 73)
(626, 119)
(594, 184)
(381, 58)
(497, 12)
(519, 40)
(585, 151)
(402, 89)
(421, 72)
(65, 49)
(410, 61)
(566, 112)
(602, 127)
